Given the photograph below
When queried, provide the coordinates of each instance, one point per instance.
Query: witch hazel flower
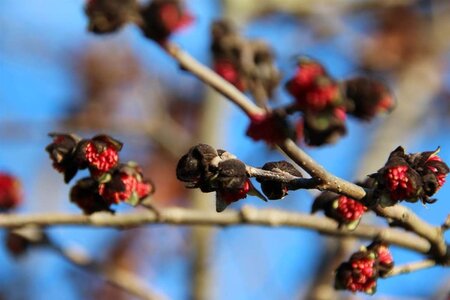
(161, 18)
(359, 274)
(271, 127)
(216, 170)
(100, 154)
(410, 177)
(399, 183)
(384, 257)
(313, 89)
(126, 184)
(62, 153)
(346, 211)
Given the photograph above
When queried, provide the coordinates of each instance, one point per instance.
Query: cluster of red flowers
(110, 182)
(346, 211)
(410, 177)
(361, 272)
(324, 104)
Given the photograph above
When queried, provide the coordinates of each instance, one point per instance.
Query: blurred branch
(411, 267)
(120, 278)
(246, 216)
(335, 253)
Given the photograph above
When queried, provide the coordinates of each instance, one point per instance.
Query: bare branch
(213, 79)
(120, 278)
(411, 267)
(247, 216)
(294, 183)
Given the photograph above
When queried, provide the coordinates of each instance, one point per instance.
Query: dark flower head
(106, 16)
(232, 174)
(409, 177)
(313, 89)
(161, 18)
(271, 128)
(322, 128)
(383, 256)
(126, 184)
(275, 189)
(306, 76)
(196, 167)
(230, 72)
(367, 98)
(86, 196)
(225, 197)
(346, 211)
(10, 192)
(359, 274)
(62, 151)
(100, 154)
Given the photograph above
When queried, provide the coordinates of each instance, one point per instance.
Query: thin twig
(246, 216)
(123, 279)
(293, 182)
(411, 267)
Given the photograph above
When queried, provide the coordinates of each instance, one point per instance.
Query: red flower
(440, 176)
(359, 274)
(10, 192)
(305, 78)
(129, 185)
(270, 127)
(349, 209)
(101, 157)
(125, 184)
(399, 183)
(362, 278)
(229, 72)
(312, 88)
(163, 17)
(233, 196)
(384, 255)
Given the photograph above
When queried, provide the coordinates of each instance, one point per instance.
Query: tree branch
(404, 217)
(247, 216)
(120, 278)
(411, 267)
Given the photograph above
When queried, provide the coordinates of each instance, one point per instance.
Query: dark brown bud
(62, 153)
(85, 194)
(273, 189)
(106, 16)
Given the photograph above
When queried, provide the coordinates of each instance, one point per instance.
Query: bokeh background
(55, 76)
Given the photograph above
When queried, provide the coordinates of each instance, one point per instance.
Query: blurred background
(57, 77)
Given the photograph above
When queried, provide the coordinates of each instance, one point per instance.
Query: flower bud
(359, 274)
(106, 16)
(410, 177)
(275, 189)
(271, 128)
(367, 98)
(10, 192)
(346, 211)
(61, 152)
(100, 154)
(163, 17)
(86, 196)
(126, 184)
